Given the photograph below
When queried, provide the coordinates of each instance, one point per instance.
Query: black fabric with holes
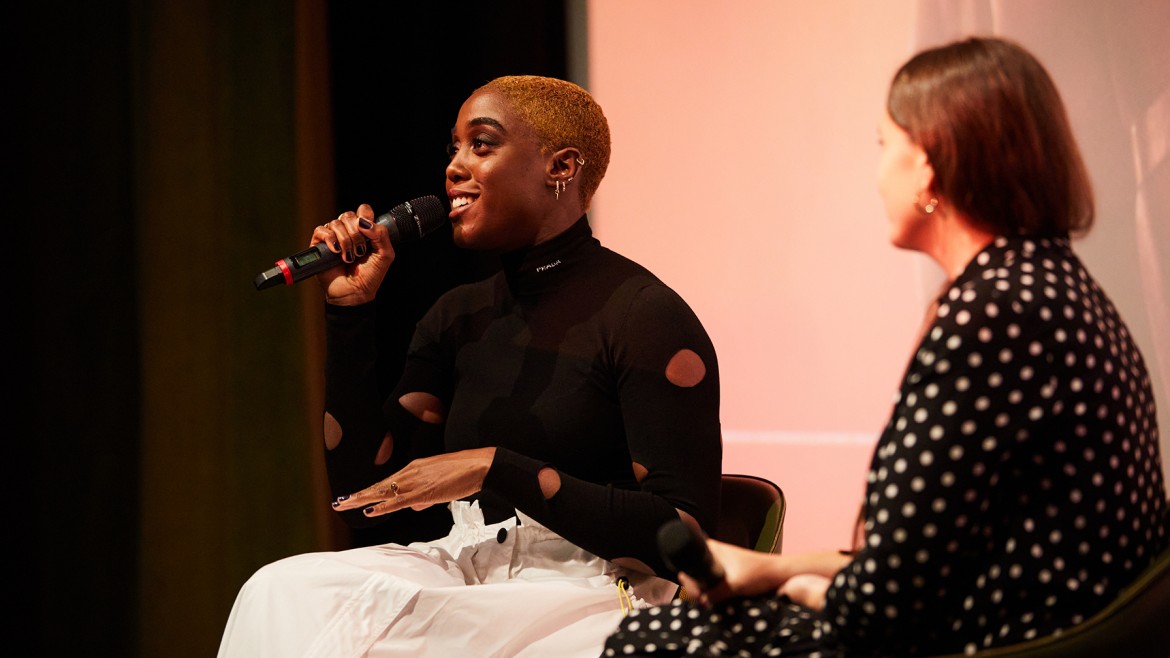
(560, 360)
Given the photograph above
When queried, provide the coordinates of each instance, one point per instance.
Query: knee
(270, 580)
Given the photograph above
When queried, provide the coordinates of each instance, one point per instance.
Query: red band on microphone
(288, 280)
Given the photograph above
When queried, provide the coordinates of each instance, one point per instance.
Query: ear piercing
(930, 206)
(561, 186)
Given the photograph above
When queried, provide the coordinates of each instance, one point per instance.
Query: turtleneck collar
(540, 268)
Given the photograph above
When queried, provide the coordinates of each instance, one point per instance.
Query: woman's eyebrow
(482, 121)
(485, 121)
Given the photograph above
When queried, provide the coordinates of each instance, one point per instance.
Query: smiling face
(904, 172)
(496, 180)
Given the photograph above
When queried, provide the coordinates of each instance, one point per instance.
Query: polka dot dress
(1016, 489)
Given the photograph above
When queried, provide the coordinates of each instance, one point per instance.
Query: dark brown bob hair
(997, 134)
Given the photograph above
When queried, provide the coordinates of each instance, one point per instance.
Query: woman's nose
(455, 169)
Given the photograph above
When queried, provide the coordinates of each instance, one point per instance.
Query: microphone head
(411, 220)
(685, 549)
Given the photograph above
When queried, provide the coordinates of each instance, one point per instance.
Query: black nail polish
(369, 510)
(336, 504)
(337, 245)
(364, 223)
(361, 250)
(341, 498)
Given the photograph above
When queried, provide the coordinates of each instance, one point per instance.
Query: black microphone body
(685, 549)
(407, 222)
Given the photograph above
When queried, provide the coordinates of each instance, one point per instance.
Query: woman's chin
(463, 236)
(459, 236)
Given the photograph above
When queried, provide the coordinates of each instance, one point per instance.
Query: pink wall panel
(823, 486)
(743, 175)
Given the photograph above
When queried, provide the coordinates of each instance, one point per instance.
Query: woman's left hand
(424, 482)
(807, 589)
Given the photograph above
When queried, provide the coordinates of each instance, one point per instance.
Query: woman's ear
(564, 165)
(925, 172)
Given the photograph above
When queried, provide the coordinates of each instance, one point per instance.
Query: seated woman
(1018, 485)
(563, 409)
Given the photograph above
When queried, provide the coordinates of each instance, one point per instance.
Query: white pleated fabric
(509, 589)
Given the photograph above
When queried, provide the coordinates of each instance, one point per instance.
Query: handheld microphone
(685, 549)
(407, 222)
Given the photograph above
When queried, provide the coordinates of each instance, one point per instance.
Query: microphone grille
(411, 220)
(430, 212)
(678, 545)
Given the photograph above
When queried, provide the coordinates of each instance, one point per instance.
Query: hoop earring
(581, 161)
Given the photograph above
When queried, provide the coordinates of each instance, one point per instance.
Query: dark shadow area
(69, 184)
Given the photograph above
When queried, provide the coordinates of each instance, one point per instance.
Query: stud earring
(930, 206)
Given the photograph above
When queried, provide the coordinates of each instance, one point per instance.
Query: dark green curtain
(228, 421)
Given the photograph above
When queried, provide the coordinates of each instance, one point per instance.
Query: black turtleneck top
(561, 360)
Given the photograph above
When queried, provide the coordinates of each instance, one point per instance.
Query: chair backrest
(751, 513)
(1134, 625)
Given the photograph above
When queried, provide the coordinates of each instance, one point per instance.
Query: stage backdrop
(743, 174)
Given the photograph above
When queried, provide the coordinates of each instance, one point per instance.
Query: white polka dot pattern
(1015, 490)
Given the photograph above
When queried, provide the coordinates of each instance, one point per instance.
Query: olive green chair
(751, 513)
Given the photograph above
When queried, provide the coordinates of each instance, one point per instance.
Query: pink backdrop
(743, 175)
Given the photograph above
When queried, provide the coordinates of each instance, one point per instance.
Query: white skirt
(510, 589)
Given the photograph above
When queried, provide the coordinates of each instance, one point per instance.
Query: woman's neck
(955, 241)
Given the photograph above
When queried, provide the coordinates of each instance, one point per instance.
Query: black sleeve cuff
(514, 477)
